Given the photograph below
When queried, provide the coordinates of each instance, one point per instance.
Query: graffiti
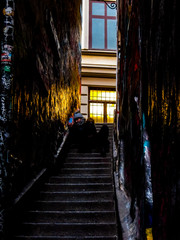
(144, 35)
(7, 48)
(6, 79)
(39, 91)
(3, 108)
(8, 11)
(8, 31)
(1, 220)
(148, 182)
(6, 57)
(54, 32)
(9, 20)
(5, 86)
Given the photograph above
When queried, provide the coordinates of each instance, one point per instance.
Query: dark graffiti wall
(6, 76)
(161, 105)
(45, 88)
(148, 86)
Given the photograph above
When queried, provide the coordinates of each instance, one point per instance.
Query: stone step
(76, 196)
(84, 154)
(93, 148)
(88, 155)
(88, 159)
(86, 170)
(66, 238)
(74, 187)
(67, 229)
(87, 165)
(72, 205)
(84, 175)
(80, 179)
(75, 149)
(99, 125)
(110, 131)
(70, 216)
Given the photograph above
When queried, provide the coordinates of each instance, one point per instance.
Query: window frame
(104, 102)
(106, 18)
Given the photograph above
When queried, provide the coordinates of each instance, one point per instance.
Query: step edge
(61, 201)
(76, 192)
(78, 184)
(67, 224)
(80, 212)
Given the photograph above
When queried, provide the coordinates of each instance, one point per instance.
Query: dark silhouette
(90, 134)
(102, 140)
(77, 129)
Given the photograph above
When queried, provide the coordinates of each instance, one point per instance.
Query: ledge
(99, 53)
(102, 66)
(98, 74)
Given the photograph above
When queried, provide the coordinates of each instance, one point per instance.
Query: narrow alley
(113, 63)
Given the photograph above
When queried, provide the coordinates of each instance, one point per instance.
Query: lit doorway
(102, 103)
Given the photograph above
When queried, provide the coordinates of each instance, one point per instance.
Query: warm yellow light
(99, 95)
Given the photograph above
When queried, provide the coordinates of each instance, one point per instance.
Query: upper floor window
(102, 26)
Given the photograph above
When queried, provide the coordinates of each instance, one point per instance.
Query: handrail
(29, 185)
(62, 144)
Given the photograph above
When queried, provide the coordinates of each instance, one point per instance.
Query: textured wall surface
(45, 88)
(148, 86)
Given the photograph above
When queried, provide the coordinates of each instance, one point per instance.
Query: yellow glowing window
(97, 112)
(100, 95)
(110, 112)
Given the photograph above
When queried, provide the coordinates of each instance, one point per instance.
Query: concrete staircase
(76, 203)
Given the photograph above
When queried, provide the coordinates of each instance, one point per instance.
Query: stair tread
(77, 192)
(81, 179)
(75, 204)
(72, 201)
(67, 224)
(89, 176)
(87, 163)
(64, 229)
(87, 156)
(69, 217)
(85, 175)
(78, 184)
(40, 211)
(113, 237)
(83, 169)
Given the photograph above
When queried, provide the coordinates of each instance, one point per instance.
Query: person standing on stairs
(77, 126)
(102, 140)
(90, 134)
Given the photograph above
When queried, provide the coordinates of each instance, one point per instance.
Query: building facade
(98, 66)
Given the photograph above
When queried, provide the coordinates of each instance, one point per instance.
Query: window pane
(110, 112)
(97, 112)
(100, 95)
(93, 95)
(111, 12)
(107, 96)
(111, 34)
(103, 95)
(98, 9)
(112, 96)
(98, 33)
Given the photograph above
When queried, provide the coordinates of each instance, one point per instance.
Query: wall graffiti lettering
(5, 86)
